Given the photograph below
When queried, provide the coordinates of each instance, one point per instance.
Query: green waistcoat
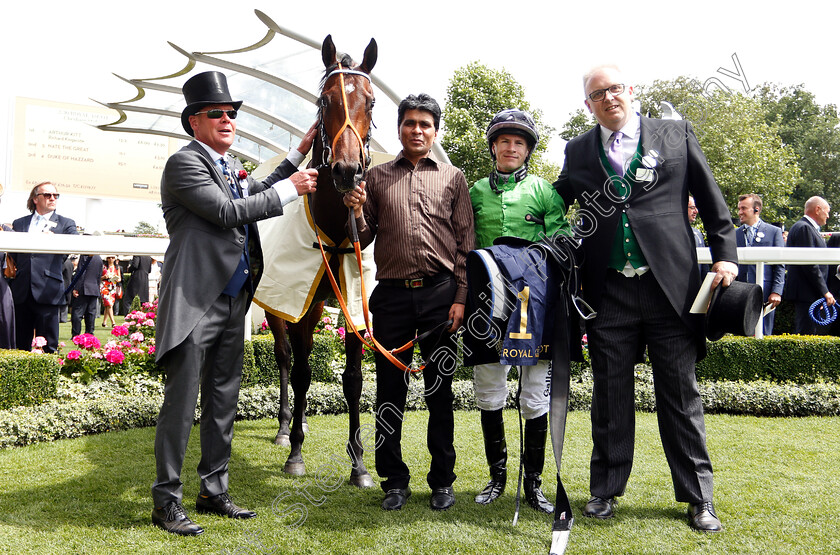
(625, 246)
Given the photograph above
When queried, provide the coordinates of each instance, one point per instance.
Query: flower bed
(130, 351)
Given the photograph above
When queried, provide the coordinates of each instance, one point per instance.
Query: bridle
(328, 147)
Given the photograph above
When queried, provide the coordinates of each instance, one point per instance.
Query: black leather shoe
(535, 497)
(703, 518)
(173, 518)
(598, 507)
(395, 499)
(221, 505)
(492, 491)
(442, 499)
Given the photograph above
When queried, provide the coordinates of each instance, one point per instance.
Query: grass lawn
(775, 486)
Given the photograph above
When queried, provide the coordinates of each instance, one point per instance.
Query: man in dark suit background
(211, 269)
(38, 288)
(632, 176)
(138, 284)
(755, 232)
(86, 293)
(807, 282)
(699, 240)
(67, 270)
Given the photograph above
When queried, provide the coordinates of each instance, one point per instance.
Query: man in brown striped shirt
(420, 213)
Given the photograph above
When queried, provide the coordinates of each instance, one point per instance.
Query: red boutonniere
(243, 175)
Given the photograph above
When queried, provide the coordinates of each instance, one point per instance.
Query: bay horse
(340, 152)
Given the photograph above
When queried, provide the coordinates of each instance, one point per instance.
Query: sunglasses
(49, 195)
(217, 113)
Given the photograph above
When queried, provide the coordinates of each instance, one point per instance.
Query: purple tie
(614, 155)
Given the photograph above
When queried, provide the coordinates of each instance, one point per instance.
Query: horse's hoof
(294, 468)
(362, 480)
(282, 440)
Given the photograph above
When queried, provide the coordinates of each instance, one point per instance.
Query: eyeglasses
(216, 114)
(600, 94)
(49, 195)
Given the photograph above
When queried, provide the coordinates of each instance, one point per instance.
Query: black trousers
(635, 311)
(399, 314)
(38, 318)
(84, 306)
(210, 357)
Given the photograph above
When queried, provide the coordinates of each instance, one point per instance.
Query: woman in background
(111, 288)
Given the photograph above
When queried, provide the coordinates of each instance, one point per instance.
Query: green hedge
(784, 358)
(260, 366)
(112, 406)
(26, 378)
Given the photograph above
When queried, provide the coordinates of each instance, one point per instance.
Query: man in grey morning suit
(632, 177)
(210, 272)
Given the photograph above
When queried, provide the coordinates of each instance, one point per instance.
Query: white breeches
(490, 382)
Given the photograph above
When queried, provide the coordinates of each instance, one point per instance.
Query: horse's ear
(328, 51)
(371, 53)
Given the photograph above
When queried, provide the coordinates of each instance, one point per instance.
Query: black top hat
(202, 90)
(734, 309)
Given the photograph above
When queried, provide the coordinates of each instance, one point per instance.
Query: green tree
(145, 228)
(475, 94)
(744, 150)
(579, 122)
(812, 132)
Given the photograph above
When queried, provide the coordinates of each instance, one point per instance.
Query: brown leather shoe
(598, 507)
(221, 505)
(173, 518)
(703, 518)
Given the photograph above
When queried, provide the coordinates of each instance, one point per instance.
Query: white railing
(759, 256)
(156, 247)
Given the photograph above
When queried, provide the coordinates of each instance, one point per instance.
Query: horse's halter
(329, 147)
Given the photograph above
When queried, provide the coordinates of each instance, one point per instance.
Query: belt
(425, 281)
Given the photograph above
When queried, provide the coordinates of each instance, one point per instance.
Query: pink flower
(137, 336)
(150, 323)
(328, 327)
(125, 344)
(119, 330)
(115, 356)
(74, 355)
(90, 341)
(38, 342)
(327, 320)
(150, 315)
(151, 349)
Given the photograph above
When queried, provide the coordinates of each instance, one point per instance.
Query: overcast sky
(68, 51)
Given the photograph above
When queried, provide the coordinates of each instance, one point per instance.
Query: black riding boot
(495, 447)
(533, 460)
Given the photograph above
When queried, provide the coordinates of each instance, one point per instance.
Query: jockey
(510, 202)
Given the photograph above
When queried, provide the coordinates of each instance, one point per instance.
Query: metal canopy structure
(277, 77)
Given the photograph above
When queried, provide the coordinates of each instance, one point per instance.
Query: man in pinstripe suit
(632, 176)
